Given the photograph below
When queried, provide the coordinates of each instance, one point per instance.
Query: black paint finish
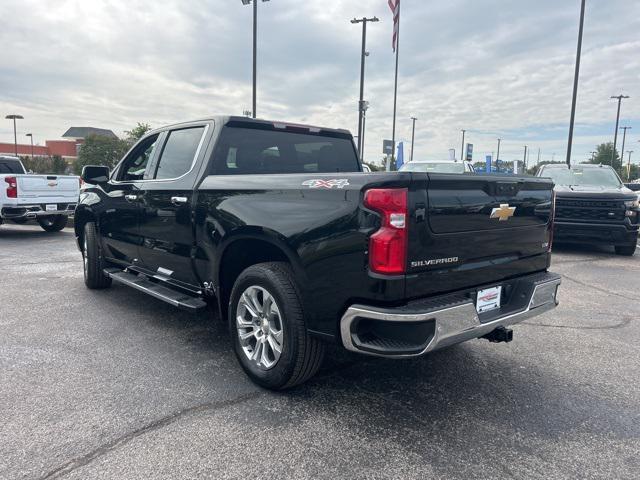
(322, 232)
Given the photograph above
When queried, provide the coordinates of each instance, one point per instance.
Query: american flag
(395, 9)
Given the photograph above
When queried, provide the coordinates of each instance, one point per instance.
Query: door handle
(179, 200)
(131, 198)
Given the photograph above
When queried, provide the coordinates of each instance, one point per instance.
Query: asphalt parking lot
(114, 384)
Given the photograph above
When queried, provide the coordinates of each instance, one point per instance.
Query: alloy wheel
(259, 326)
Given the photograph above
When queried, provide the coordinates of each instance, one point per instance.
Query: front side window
(136, 163)
(179, 152)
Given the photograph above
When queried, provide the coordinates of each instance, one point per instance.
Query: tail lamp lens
(12, 187)
(388, 245)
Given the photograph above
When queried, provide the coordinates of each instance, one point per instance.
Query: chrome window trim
(193, 162)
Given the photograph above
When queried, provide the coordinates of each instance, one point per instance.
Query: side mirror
(94, 174)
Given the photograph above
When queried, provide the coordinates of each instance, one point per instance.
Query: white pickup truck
(48, 199)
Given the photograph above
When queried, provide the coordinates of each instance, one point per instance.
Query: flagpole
(395, 94)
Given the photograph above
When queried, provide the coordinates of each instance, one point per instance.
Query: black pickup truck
(278, 228)
(594, 207)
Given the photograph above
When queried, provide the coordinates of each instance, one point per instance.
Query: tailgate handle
(507, 188)
(179, 200)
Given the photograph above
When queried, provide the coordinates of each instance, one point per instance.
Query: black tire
(626, 250)
(301, 354)
(93, 264)
(20, 221)
(53, 223)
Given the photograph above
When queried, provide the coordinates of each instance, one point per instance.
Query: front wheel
(93, 264)
(626, 250)
(53, 223)
(268, 331)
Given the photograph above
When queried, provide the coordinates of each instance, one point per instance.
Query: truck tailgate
(47, 189)
(471, 230)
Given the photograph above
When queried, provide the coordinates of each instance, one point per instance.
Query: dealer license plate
(51, 207)
(488, 299)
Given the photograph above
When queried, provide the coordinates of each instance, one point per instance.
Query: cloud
(497, 68)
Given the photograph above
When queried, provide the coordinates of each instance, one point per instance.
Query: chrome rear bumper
(449, 320)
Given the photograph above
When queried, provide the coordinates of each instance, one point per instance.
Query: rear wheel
(93, 264)
(53, 223)
(626, 250)
(268, 330)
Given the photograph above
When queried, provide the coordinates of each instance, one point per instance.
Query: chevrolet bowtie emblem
(504, 212)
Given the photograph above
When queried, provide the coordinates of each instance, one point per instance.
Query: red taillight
(12, 187)
(388, 245)
(552, 219)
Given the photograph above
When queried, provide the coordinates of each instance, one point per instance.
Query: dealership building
(67, 148)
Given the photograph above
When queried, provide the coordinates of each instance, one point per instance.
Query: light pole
(30, 135)
(615, 135)
(629, 165)
(498, 154)
(255, 48)
(462, 148)
(525, 158)
(575, 83)
(15, 137)
(413, 137)
(363, 54)
(624, 138)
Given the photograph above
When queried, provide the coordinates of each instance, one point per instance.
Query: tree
(100, 150)
(137, 132)
(603, 155)
(58, 165)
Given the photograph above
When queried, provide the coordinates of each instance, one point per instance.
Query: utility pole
(363, 54)
(413, 137)
(624, 138)
(538, 162)
(462, 147)
(615, 135)
(15, 137)
(629, 166)
(395, 8)
(498, 154)
(255, 50)
(576, 76)
(524, 160)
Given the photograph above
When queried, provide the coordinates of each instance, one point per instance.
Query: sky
(497, 68)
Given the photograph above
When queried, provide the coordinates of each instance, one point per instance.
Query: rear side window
(11, 166)
(179, 152)
(243, 151)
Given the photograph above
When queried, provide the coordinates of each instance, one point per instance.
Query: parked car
(593, 206)
(436, 166)
(48, 199)
(278, 227)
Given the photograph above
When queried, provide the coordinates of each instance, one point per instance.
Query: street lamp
(629, 165)
(615, 135)
(255, 47)
(30, 135)
(15, 138)
(361, 105)
(462, 148)
(413, 136)
(498, 154)
(525, 158)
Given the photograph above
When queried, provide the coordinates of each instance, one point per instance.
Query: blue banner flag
(400, 156)
(488, 160)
